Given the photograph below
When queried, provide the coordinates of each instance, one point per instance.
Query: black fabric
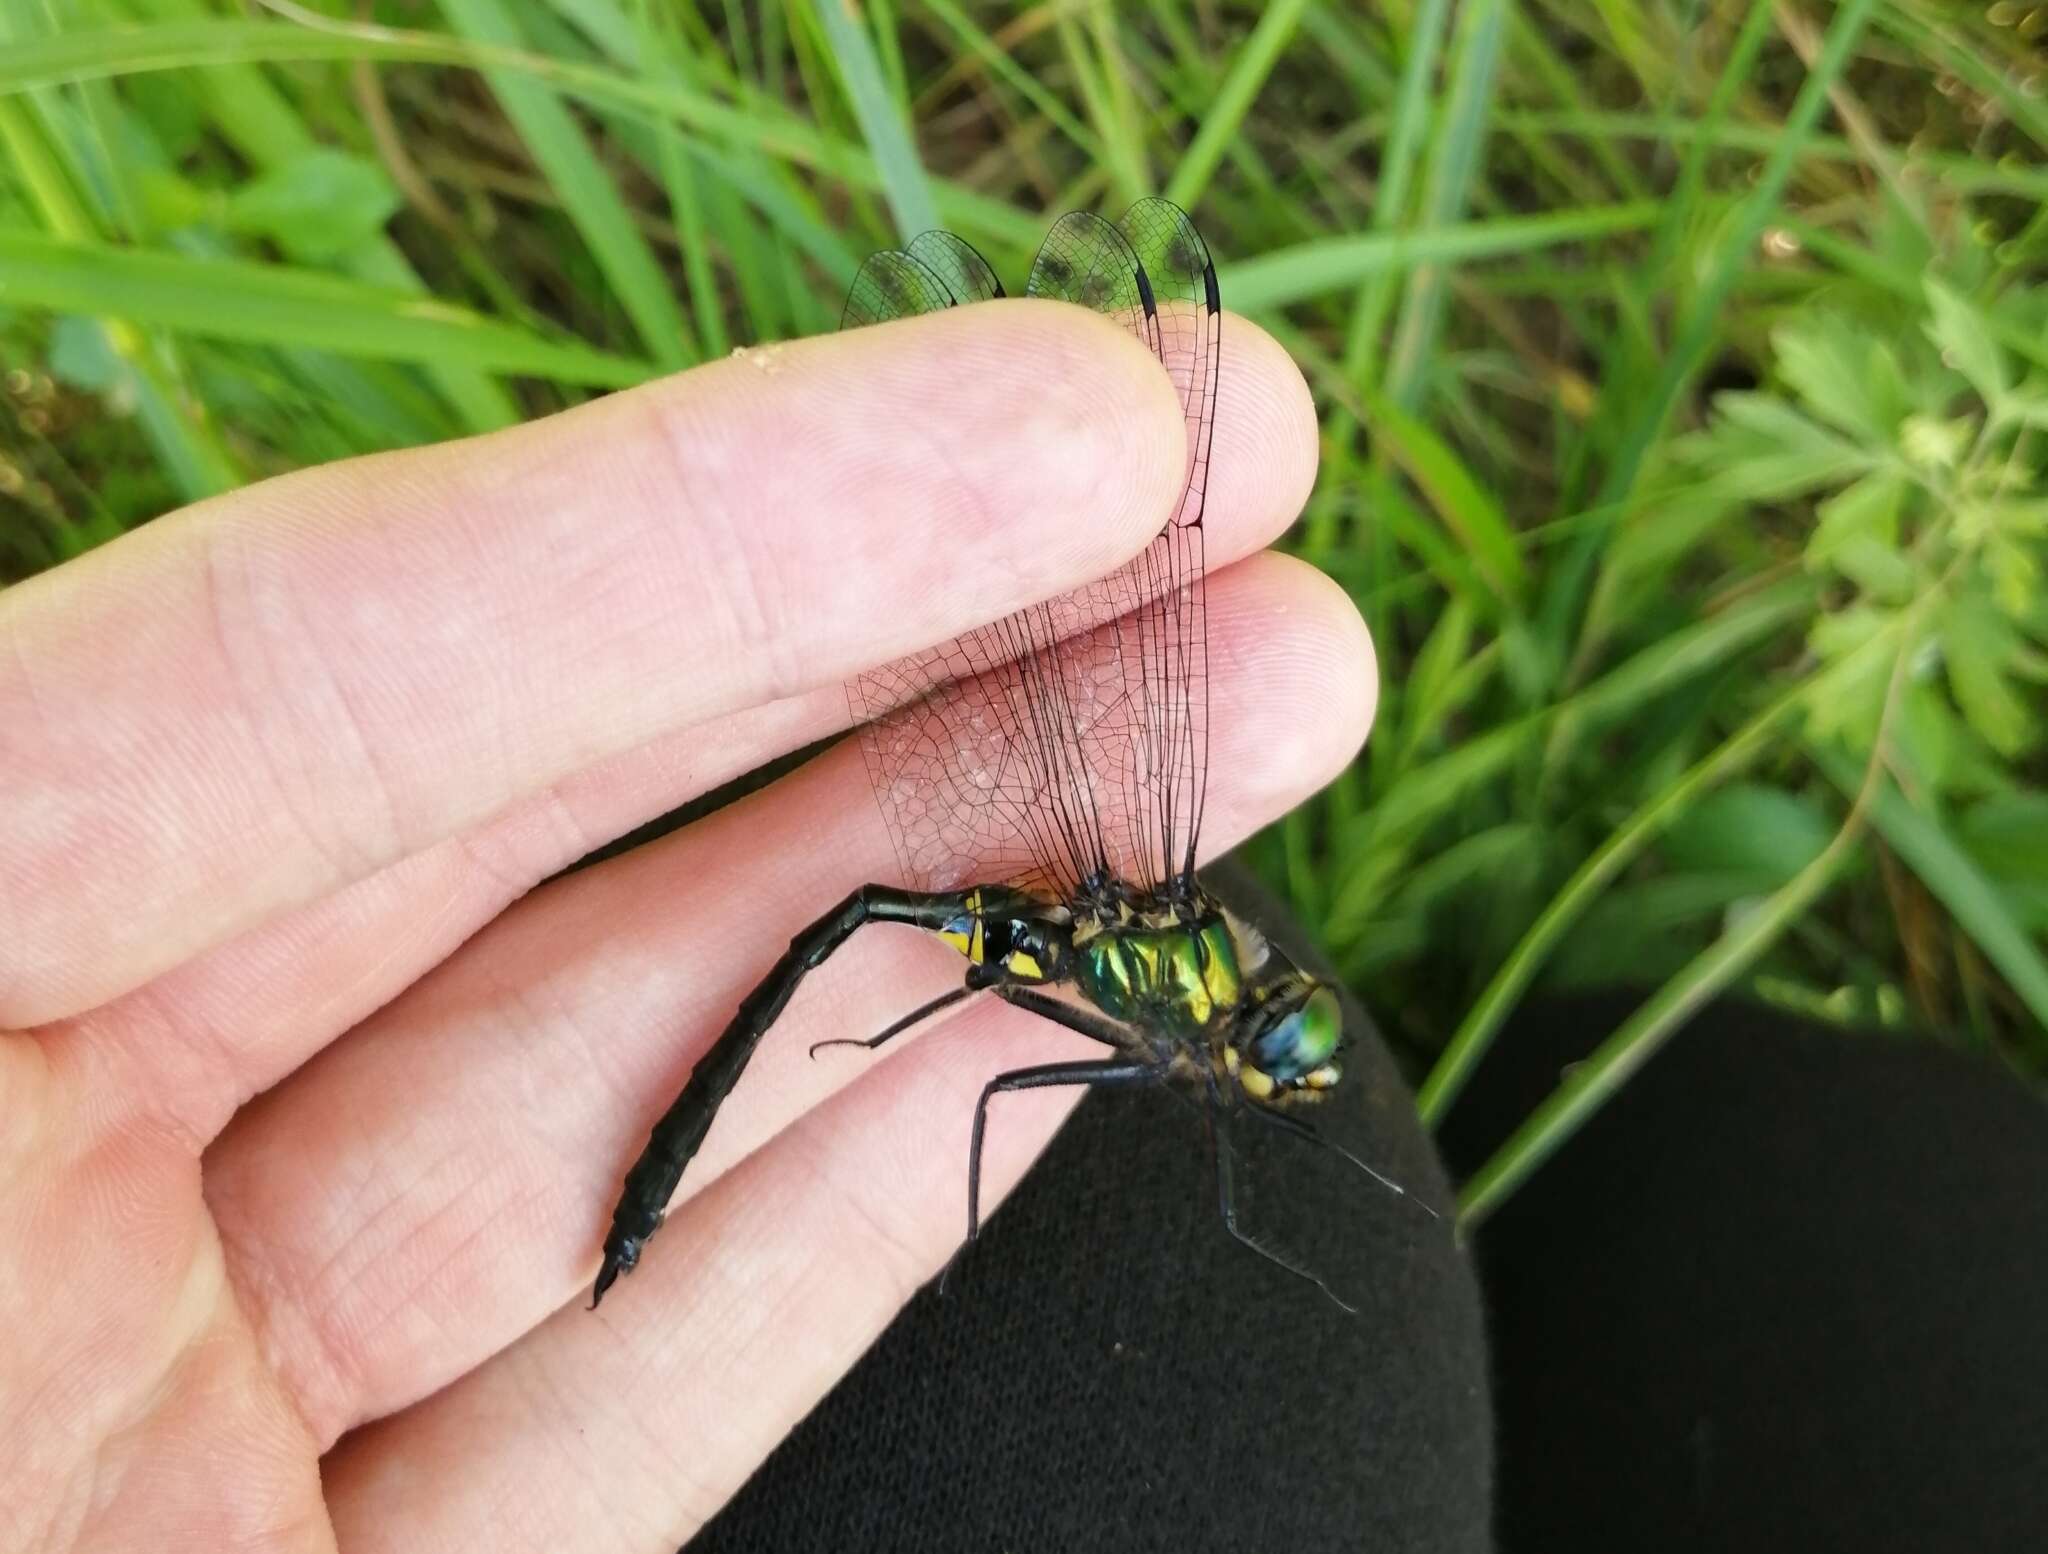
(1785, 1293)
(1113, 1372)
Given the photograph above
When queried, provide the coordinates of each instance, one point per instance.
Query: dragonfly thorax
(1163, 975)
(1213, 984)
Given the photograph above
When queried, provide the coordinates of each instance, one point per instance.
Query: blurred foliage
(1683, 368)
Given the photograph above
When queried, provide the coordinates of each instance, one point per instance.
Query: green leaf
(1857, 701)
(1843, 374)
(1479, 858)
(1762, 449)
(1977, 644)
(320, 204)
(1842, 632)
(1880, 570)
(2008, 835)
(1926, 737)
(2028, 404)
(168, 201)
(1471, 78)
(2014, 571)
(177, 425)
(1762, 833)
(1425, 791)
(1966, 344)
(81, 356)
(1867, 511)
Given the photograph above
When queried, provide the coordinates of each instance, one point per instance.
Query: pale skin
(312, 1117)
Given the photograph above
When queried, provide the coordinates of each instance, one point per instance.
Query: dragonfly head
(1287, 1043)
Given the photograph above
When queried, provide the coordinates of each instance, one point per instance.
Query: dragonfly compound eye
(1298, 1049)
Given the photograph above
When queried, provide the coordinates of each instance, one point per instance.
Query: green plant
(1699, 530)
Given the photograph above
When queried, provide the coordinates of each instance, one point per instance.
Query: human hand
(309, 1133)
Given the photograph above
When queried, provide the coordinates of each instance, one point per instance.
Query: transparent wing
(958, 265)
(1170, 630)
(1064, 747)
(892, 284)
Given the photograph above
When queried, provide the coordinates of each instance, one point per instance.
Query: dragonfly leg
(1301, 1128)
(1046, 1007)
(1102, 1074)
(923, 1011)
(1226, 1197)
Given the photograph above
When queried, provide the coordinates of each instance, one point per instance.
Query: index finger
(270, 695)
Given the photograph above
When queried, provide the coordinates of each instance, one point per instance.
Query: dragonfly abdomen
(993, 934)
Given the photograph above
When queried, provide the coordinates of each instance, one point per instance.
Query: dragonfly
(1043, 779)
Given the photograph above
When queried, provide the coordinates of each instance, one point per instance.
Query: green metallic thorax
(1183, 978)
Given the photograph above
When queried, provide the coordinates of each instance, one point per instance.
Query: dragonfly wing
(1065, 744)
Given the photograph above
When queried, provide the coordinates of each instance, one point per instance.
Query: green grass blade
(1374, 302)
(1530, 55)
(584, 186)
(1426, 791)
(1956, 174)
(177, 426)
(1021, 81)
(1223, 119)
(279, 305)
(881, 120)
(1312, 269)
(1454, 165)
(759, 128)
(1624, 379)
(1955, 880)
(1402, 157)
(1127, 142)
(1122, 162)
(264, 128)
(1467, 508)
(1475, 1033)
(1702, 317)
(1594, 1082)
